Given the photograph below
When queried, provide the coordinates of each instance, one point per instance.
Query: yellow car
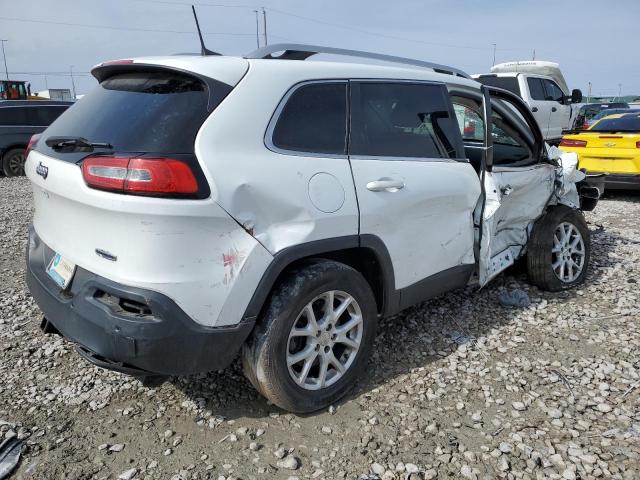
(611, 146)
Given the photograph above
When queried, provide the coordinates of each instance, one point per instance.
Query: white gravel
(459, 387)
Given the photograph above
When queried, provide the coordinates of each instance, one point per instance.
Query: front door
(415, 191)
(560, 109)
(517, 187)
(540, 105)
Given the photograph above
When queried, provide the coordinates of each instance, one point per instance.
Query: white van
(543, 87)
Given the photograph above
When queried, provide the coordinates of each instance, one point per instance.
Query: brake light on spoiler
(565, 142)
(139, 176)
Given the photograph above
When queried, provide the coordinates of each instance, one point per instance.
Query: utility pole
(589, 93)
(264, 25)
(4, 56)
(257, 29)
(494, 54)
(73, 84)
(534, 54)
(619, 91)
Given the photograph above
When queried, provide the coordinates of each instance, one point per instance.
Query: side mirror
(576, 95)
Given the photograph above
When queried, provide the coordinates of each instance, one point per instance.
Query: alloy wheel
(568, 253)
(324, 340)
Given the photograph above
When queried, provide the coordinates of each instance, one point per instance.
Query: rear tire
(13, 162)
(323, 315)
(559, 249)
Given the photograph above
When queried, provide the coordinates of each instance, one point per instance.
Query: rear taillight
(565, 142)
(637, 144)
(33, 141)
(141, 176)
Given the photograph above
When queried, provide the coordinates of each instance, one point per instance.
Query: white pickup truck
(543, 87)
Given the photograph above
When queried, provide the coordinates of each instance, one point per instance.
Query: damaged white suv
(193, 207)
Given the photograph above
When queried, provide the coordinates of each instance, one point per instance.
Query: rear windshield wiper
(74, 144)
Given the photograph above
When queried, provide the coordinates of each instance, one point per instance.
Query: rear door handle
(385, 185)
(554, 109)
(534, 109)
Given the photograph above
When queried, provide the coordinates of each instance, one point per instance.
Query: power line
(322, 22)
(108, 27)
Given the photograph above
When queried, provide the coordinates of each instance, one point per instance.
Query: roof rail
(296, 51)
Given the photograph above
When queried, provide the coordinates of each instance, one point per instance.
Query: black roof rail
(297, 51)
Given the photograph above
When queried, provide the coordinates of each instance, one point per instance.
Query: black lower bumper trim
(164, 342)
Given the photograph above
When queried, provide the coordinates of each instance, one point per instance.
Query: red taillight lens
(637, 144)
(33, 141)
(160, 175)
(142, 176)
(565, 142)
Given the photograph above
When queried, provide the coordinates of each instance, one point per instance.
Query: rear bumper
(619, 181)
(164, 341)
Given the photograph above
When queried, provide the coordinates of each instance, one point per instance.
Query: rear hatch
(118, 189)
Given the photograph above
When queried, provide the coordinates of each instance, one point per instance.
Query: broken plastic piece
(10, 451)
(514, 298)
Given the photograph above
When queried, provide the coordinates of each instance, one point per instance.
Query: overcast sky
(593, 40)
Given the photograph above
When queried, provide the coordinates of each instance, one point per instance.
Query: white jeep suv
(193, 207)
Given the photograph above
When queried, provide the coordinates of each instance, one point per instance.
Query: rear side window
(507, 83)
(403, 120)
(147, 111)
(536, 88)
(44, 116)
(314, 120)
(14, 116)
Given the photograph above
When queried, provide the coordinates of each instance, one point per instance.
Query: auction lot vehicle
(543, 87)
(586, 113)
(610, 146)
(190, 208)
(19, 121)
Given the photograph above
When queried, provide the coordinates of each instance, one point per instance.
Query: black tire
(540, 255)
(264, 356)
(13, 162)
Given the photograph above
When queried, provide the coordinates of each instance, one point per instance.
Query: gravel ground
(459, 387)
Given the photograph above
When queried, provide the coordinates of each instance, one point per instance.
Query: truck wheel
(314, 337)
(559, 249)
(13, 162)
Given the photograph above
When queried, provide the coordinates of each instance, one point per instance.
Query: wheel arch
(13, 146)
(365, 253)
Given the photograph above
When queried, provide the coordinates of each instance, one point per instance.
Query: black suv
(19, 120)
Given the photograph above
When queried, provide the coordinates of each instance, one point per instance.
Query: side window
(402, 120)
(14, 116)
(44, 116)
(509, 146)
(536, 88)
(470, 123)
(553, 91)
(314, 120)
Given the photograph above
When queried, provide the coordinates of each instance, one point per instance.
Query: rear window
(150, 112)
(507, 83)
(628, 123)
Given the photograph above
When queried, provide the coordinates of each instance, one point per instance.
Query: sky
(594, 41)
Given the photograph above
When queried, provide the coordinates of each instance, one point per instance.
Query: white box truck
(543, 87)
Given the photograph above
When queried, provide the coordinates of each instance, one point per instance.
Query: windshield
(628, 123)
